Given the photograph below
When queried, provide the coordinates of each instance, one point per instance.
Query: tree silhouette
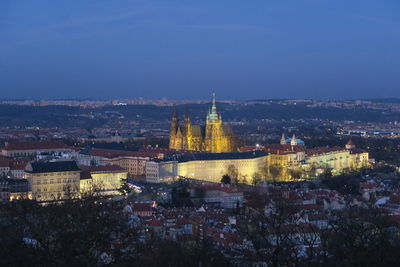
(226, 179)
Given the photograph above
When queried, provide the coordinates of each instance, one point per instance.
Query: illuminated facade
(290, 156)
(214, 137)
(338, 158)
(51, 181)
(104, 180)
(207, 167)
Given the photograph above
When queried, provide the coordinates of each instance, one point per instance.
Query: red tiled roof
(324, 150)
(4, 162)
(168, 151)
(108, 153)
(356, 151)
(283, 149)
(142, 207)
(218, 187)
(156, 222)
(35, 145)
(368, 185)
(106, 168)
(248, 148)
(350, 143)
(19, 164)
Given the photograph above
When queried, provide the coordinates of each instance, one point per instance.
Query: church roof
(35, 145)
(227, 130)
(197, 130)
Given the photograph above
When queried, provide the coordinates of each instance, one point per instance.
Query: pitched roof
(19, 163)
(57, 166)
(221, 156)
(357, 151)
(35, 145)
(105, 168)
(142, 207)
(283, 148)
(108, 153)
(197, 130)
(85, 175)
(324, 150)
(4, 162)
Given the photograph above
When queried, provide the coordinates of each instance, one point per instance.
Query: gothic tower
(187, 132)
(174, 130)
(214, 137)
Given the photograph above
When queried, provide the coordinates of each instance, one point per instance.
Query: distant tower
(173, 132)
(187, 132)
(350, 145)
(283, 139)
(293, 142)
(213, 136)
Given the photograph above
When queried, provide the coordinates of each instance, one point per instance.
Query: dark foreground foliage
(97, 232)
(90, 232)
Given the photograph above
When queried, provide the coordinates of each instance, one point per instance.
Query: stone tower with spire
(186, 132)
(283, 139)
(214, 140)
(175, 140)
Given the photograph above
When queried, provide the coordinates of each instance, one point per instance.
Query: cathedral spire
(186, 112)
(174, 121)
(214, 107)
(187, 118)
(213, 112)
(174, 114)
(283, 139)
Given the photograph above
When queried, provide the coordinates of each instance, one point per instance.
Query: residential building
(105, 180)
(31, 149)
(11, 189)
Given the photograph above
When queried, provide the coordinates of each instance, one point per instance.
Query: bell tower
(173, 130)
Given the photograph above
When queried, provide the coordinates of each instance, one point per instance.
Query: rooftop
(218, 156)
(106, 168)
(34, 145)
(109, 153)
(324, 150)
(57, 166)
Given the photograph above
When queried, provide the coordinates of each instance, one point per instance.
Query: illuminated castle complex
(213, 137)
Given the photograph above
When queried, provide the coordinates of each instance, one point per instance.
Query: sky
(187, 49)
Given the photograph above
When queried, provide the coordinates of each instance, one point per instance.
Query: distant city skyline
(178, 49)
(199, 100)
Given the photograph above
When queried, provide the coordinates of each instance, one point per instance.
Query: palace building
(206, 166)
(214, 137)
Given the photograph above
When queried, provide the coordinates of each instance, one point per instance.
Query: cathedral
(214, 137)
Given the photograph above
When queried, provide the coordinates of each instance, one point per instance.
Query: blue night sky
(249, 49)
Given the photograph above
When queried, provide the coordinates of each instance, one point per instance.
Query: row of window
(56, 181)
